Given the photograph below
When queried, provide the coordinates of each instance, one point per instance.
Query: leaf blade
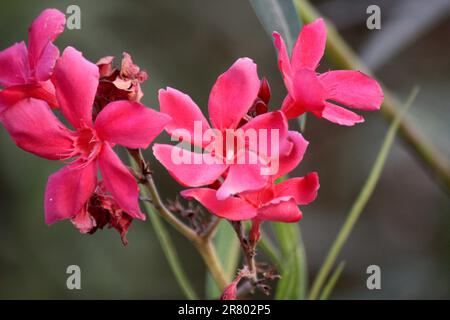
(361, 201)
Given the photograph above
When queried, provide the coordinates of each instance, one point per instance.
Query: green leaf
(329, 286)
(227, 246)
(361, 200)
(293, 282)
(287, 287)
(280, 16)
(268, 247)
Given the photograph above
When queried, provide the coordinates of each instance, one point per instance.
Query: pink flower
(25, 72)
(319, 93)
(34, 128)
(232, 97)
(277, 202)
(230, 292)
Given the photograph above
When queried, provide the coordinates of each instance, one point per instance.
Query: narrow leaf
(280, 16)
(329, 286)
(293, 282)
(268, 247)
(361, 200)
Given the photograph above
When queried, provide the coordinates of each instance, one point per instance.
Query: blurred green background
(186, 45)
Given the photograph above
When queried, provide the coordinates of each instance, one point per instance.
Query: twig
(202, 243)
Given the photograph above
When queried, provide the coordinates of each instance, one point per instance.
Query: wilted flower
(119, 84)
(102, 210)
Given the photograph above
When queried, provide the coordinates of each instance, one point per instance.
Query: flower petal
(188, 168)
(353, 89)
(340, 115)
(302, 189)
(14, 66)
(130, 124)
(186, 115)
(120, 183)
(76, 81)
(290, 161)
(308, 93)
(234, 209)
(34, 128)
(42, 91)
(310, 46)
(233, 94)
(265, 126)
(283, 209)
(68, 190)
(290, 108)
(243, 177)
(46, 64)
(42, 32)
(284, 63)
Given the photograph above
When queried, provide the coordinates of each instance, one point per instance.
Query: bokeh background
(405, 228)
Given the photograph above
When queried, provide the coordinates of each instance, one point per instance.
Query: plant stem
(248, 248)
(209, 255)
(202, 243)
(344, 57)
(360, 202)
(149, 184)
(329, 286)
(170, 253)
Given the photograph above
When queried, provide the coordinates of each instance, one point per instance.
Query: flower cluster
(37, 79)
(232, 163)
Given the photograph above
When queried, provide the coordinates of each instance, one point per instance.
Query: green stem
(328, 289)
(209, 255)
(170, 253)
(303, 267)
(344, 57)
(202, 243)
(360, 202)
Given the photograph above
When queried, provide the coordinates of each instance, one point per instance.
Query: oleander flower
(25, 72)
(276, 202)
(322, 94)
(34, 128)
(232, 97)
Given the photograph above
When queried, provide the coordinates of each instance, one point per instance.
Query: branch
(202, 242)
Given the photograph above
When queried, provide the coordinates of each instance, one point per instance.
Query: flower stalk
(201, 242)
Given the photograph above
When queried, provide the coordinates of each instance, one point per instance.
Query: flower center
(87, 144)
